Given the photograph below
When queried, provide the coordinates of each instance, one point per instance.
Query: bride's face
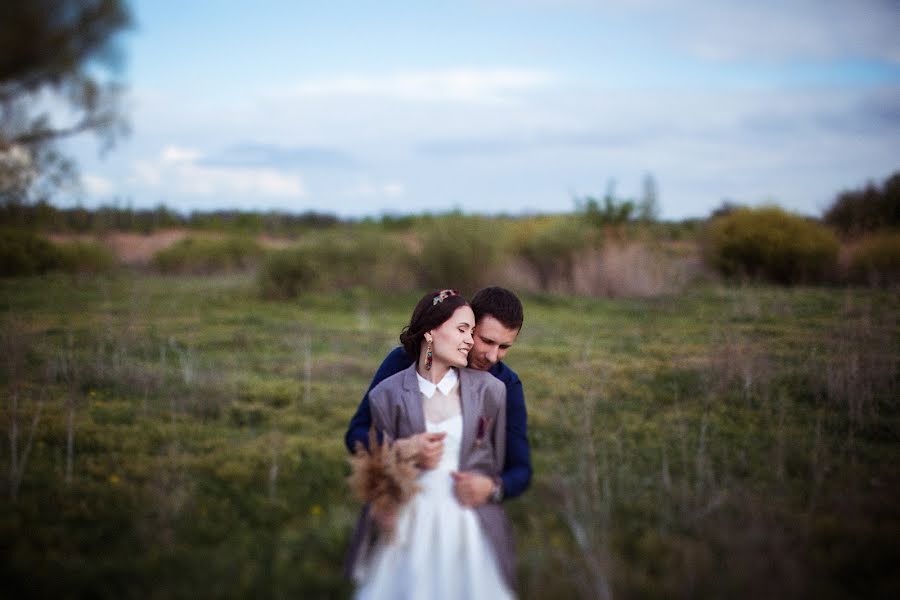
(452, 341)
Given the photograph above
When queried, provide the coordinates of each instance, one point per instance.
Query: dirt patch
(275, 243)
(129, 248)
(139, 249)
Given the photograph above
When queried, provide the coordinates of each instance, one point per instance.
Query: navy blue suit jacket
(516, 473)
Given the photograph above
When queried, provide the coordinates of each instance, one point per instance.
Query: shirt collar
(445, 385)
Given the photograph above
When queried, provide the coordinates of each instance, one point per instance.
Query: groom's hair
(499, 303)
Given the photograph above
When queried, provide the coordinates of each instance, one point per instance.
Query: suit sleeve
(517, 466)
(499, 432)
(358, 430)
(383, 423)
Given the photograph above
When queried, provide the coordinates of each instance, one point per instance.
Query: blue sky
(366, 108)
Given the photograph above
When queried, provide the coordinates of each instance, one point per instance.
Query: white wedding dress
(439, 551)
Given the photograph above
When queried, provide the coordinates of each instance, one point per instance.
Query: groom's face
(492, 341)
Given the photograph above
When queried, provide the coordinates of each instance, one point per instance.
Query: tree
(59, 68)
(612, 212)
(648, 207)
(871, 208)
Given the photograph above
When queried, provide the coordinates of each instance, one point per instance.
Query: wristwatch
(497, 493)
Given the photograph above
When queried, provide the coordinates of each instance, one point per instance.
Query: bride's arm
(424, 448)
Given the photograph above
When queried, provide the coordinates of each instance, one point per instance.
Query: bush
(333, 263)
(288, 273)
(876, 260)
(85, 257)
(24, 253)
(204, 256)
(459, 252)
(769, 243)
(550, 247)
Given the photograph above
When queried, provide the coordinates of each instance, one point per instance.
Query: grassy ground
(180, 437)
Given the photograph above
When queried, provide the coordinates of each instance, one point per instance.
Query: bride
(450, 418)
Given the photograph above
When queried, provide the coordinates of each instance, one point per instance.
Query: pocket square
(484, 424)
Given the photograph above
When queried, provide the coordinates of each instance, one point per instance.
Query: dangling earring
(428, 356)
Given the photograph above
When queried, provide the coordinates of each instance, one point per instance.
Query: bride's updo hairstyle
(431, 311)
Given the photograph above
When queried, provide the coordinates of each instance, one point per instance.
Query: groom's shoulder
(483, 379)
(502, 372)
(396, 360)
(391, 371)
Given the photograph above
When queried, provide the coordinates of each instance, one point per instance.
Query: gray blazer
(396, 405)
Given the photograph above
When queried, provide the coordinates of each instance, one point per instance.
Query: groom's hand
(472, 489)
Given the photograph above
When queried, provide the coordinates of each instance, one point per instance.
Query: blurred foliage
(338, 262)
(871, 208)
(613, 211)
(59, 77)
(45, 217)
(876, 260)
(551, 245)
(459, 251)
(270, 223)
(610, 212)
(195, 255)
(771, 244)
(86, 257)
(25, 253)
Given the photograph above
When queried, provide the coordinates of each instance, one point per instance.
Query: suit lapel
(412, 399)
(470, 413)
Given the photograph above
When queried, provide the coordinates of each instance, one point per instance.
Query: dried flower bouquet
(385, 477)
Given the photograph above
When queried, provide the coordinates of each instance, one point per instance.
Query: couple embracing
(458, 414)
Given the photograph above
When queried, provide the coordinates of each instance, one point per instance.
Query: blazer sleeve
(384, 424)
(499, 432)
(358, 430)
(517, 468)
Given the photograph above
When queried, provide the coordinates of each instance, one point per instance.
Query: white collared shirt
(445, 384)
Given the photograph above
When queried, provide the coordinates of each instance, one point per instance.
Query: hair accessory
(443, 295)
(428, 356)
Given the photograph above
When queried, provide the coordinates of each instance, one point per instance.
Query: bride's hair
(431, 311)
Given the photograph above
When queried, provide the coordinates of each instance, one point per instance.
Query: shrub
(769, 243)
(876, 260)
(85, 257)
(552, 246)
(24, 253)
(287, 273)
(204, 256)
(334, 263)
(459, 252)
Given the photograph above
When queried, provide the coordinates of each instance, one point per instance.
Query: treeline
(42, 216)
(872, 208)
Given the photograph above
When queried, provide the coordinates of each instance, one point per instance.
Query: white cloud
(467, 85)
(175, 154)
(394, 190)
(367, 189)
(96, 185)
(176, 171)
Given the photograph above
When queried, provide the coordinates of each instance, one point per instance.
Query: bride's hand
(427, 448)
(385, 519)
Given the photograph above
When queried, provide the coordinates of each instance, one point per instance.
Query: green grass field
(175, 437)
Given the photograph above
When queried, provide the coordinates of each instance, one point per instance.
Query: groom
(498, 319)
